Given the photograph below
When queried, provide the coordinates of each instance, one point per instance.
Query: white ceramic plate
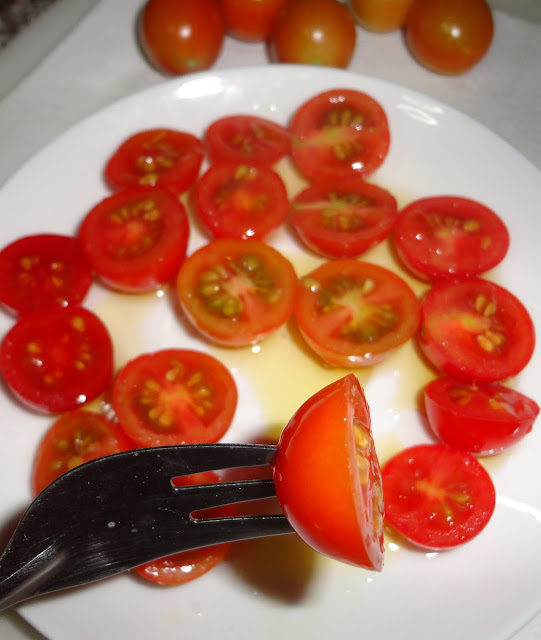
(485, 590)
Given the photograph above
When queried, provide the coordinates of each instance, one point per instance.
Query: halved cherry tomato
(380, 16)
(76, 437)
(57, 359)
(250, 20)
(165, 157)
(475, 330)
(241, 200)
(320, 32)
(327, 476)
(481, 419)
(449, 37)
(437, 496)
(247, 139)
(43, 271)
(189, 565)
(355, 314)
(339, 133)
(174, 396)
(183, 36)
(136, 239)
(343, 219)
(449, 237)
(236, 292)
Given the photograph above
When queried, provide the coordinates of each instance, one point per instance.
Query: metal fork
(117, 512)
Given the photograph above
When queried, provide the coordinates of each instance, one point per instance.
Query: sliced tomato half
(474, 330)
(56, 360)
(43, 271)
(166, 157)
(241, 200)
(188, 565)
(77, 436)
(236, 292)
(247, 139)
(343, 219)
(136, 239)
(327, 476)
(437, 496)
(174, 396)
(449, 237)
(339, 132)
(481, 419)
(353, 313)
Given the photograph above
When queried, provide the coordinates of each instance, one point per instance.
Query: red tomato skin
(75, 437)
(338, 134)
(449, 36)
(323, 334)
(171, 379)
(309, 216)
(244, 138)
(242, 201)
(259, 317)
(182, 36)
(41, 272)
(317, 479)
(427, 240)
(250, 20)
(380, 16)
(480, 419)
(418, 479)
(186, 566)
(318, 32)
(456, 317)
(163, 157)
(39, 368)
(113, 234)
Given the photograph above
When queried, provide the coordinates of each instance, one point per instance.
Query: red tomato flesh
(481, 419)
(56, 360)
(247, 139)
(241, 200)
(327, 476)
(343, 219)
(156, 156)
(189, 565)
(76, 437)
(174, 396)
(475, 330)
(339, 133)
(136, 239)
(437, 496)
(449, 237)
(236, 292)
(43, 271)
(355, 314)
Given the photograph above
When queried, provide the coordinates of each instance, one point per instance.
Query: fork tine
(222, 493)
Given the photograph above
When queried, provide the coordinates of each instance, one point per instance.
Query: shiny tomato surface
(75, 437)
(380, 16)
(182, 36)
(475, 330)
(250, 20)
(320, 32)
(481, 419)
(174, 396)
(449, 36)
(437, 496)
(236, 292)
(327, 476)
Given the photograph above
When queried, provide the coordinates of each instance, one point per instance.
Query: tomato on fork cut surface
(327, 476)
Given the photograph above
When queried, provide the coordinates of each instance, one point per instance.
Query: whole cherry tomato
(250, 20)
(380, 15)
(181, 36)
(449, 36)
(320, 32)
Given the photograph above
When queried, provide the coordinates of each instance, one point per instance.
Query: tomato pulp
(327, 476)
